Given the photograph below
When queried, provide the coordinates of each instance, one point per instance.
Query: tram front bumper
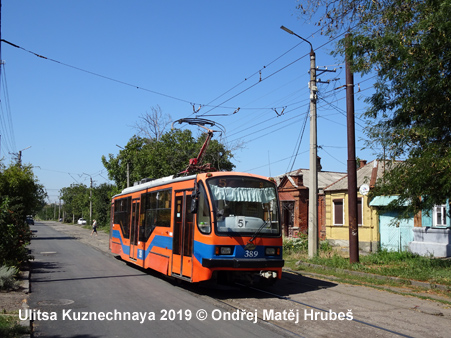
(242, 263)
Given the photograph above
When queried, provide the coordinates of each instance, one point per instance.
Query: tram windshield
(245, 205)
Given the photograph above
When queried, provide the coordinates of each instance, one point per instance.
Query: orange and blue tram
(220, 226)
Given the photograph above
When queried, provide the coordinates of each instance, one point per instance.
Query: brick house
(293, 189)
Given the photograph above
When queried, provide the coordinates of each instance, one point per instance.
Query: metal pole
(352, 166)
(128, 174)
(90, 202)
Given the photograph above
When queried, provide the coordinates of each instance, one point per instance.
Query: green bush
(14, 238)
(10, 327)
(296, 244)
(299, 244)
(7, 278)
(20, 195)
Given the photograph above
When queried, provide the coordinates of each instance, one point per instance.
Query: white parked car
(81, 221)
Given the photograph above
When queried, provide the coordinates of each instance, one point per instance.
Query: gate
(396, 234)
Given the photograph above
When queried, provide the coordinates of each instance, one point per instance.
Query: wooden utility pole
(352, 165)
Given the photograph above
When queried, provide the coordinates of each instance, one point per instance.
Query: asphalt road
(79, 291)
(74, 271)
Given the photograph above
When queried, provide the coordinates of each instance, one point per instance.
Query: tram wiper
(250, 245)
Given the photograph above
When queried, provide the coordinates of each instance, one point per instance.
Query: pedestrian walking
(94, 227)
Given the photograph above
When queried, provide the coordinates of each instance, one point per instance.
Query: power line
(261, 80)
(274, 162)
(97, 74)
(190, 102)
(299, 141)
(8, 139)
(260, 70)
(291, 63)
(271, 126)
(257, 72)
(136, 86)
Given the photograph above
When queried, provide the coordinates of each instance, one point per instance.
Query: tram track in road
(378, 327)
(260, 300)
(274, 327)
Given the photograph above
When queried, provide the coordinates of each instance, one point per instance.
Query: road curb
(25, 286)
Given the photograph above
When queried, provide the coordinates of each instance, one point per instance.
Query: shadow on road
(52, 238)
(290, 284)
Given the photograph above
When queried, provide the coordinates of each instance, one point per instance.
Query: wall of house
(339, 234)
(321, 217)
(427, 217)
(302, 217)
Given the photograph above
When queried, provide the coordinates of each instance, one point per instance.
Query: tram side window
(156, 210)
(122, 215)
(203, 212)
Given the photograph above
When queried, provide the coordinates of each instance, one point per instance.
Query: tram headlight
(272, 251)
(224, 250)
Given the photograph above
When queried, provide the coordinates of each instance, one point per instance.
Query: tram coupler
(268, 274)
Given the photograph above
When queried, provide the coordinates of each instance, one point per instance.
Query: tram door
(183, 237)
(134, 225)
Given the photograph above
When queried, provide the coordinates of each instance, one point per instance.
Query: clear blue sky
(172, 54)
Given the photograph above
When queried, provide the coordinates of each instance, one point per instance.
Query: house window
(439, 216)
(359, 211)
(338, 212)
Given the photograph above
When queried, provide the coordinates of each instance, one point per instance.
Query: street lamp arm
(300, 37)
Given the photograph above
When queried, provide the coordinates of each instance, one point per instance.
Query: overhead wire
(277, 161)
(97, 74)
(246, 89)
(8, 138)
(190, 102)
(271, 126)
(298, 142)
(274, 117)
(291, 63)
(257, 72)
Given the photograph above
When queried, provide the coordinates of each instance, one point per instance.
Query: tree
(20, 195)
(153, 125)
(101, 201)
(167, 156)
(76, 201)
(49, 212)
(407, 44)
(130, 157)
(26, 196)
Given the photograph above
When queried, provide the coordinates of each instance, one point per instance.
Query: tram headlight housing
(223, 250)
(270, 251)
